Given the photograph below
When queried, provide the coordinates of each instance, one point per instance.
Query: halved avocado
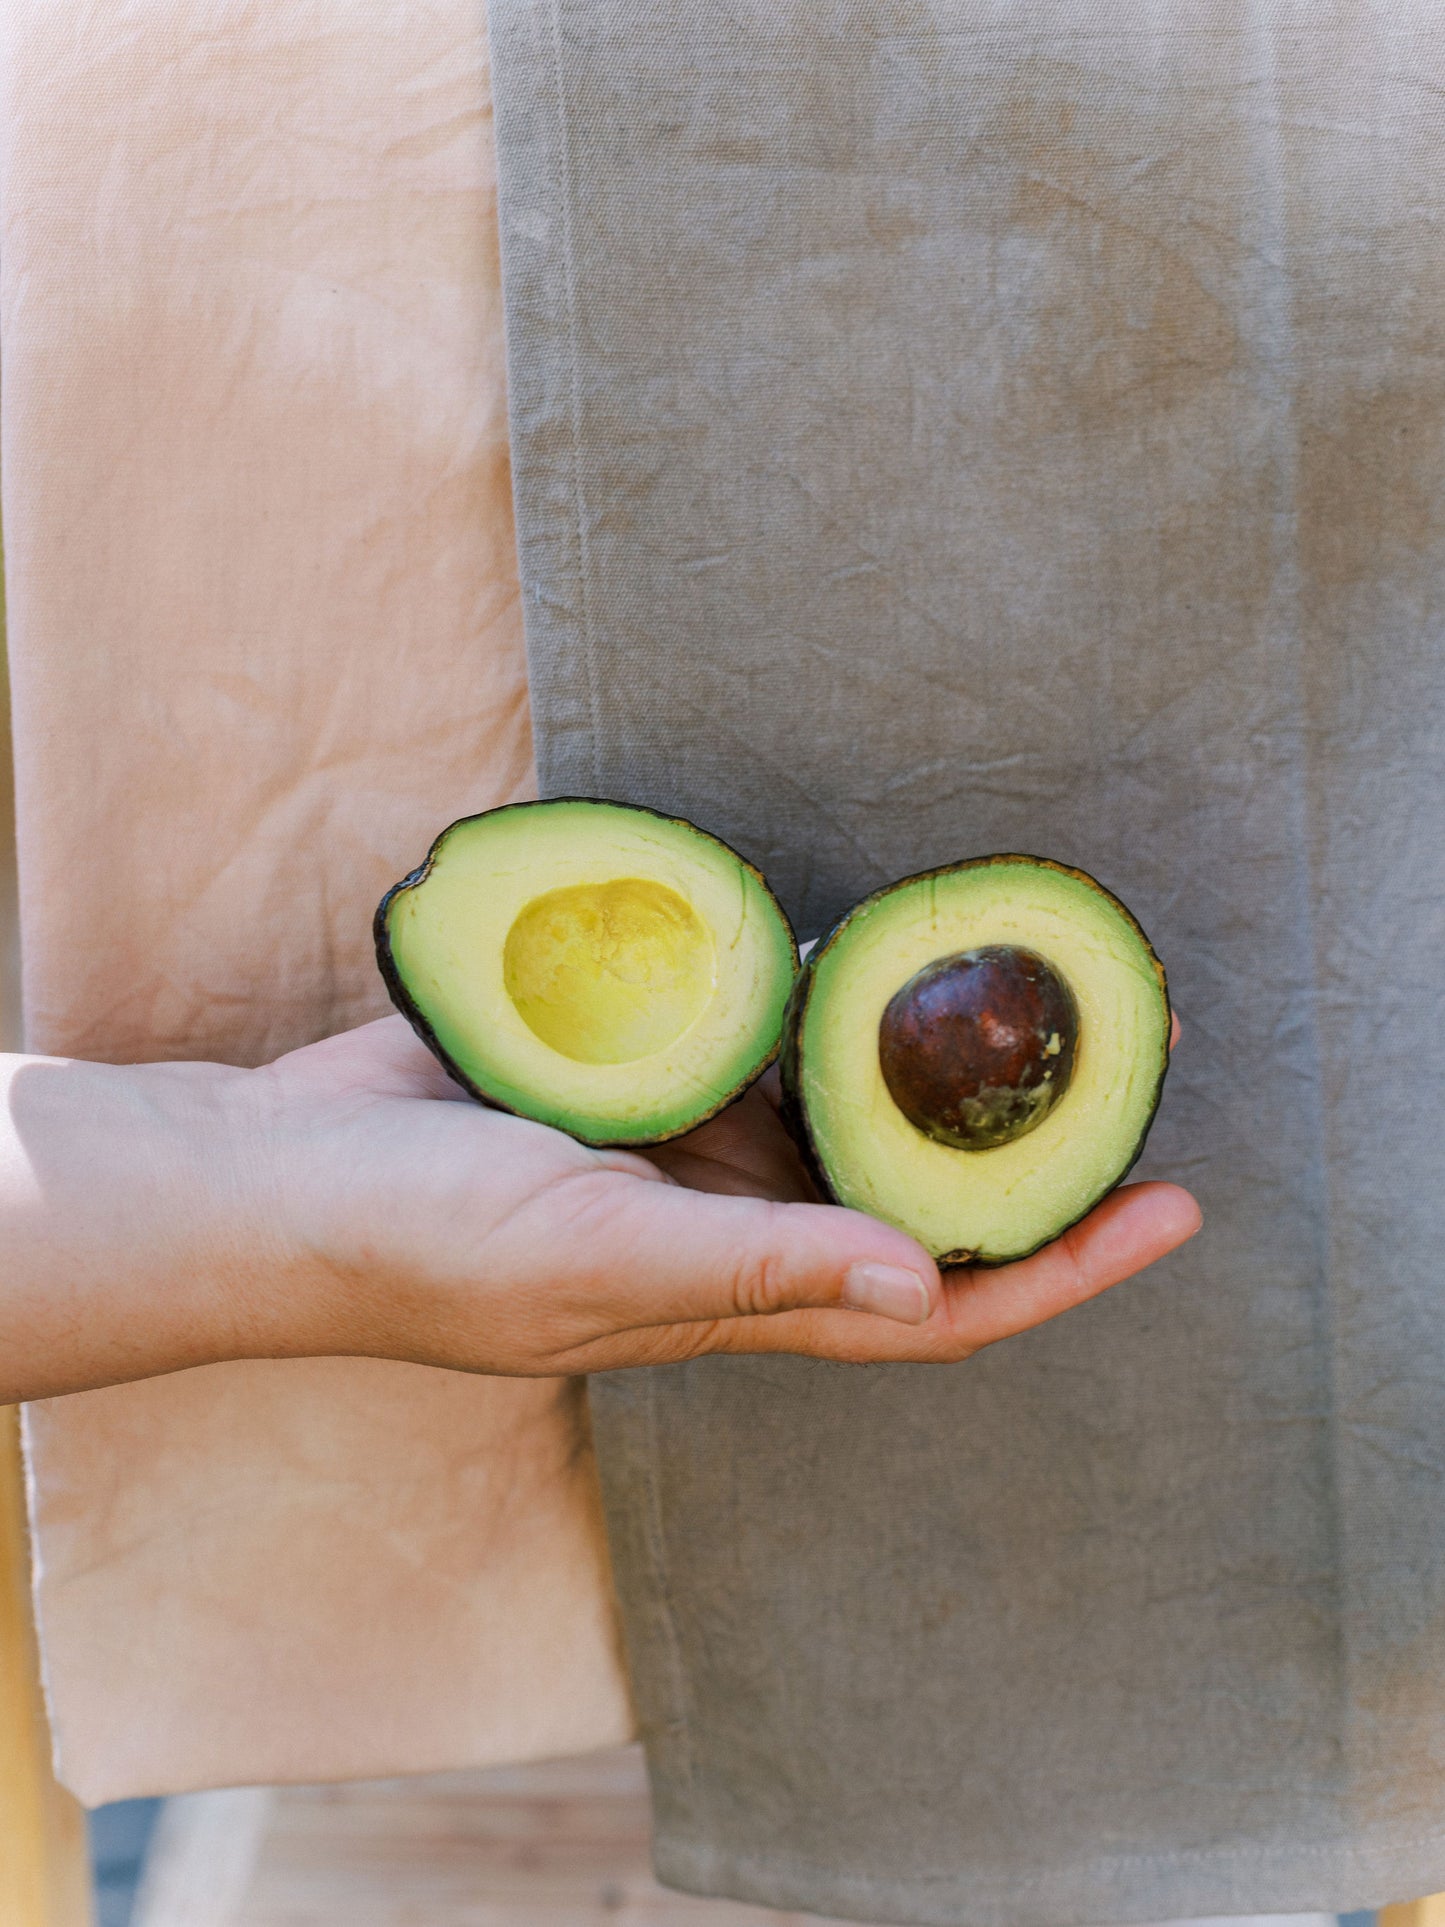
(615, 973)
(976, 1054)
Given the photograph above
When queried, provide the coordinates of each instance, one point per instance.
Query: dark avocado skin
(402, 998)
(794, 1112)
(790, 1069)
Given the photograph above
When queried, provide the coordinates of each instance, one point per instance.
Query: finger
(1128, 1231)
(744, 1151)
(1174, 1028)
(747, 1171)
(656, 1254)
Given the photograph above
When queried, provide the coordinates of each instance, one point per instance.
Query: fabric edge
(534, 216)
(1339, 1880)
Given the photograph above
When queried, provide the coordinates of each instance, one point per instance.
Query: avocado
(976, 1054)
(616, 973)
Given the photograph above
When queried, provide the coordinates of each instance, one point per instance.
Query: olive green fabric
(945, 426)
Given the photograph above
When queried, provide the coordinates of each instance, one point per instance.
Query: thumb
(687, 1256)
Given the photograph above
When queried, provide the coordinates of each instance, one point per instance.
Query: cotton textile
(951, 426)
(265, 641)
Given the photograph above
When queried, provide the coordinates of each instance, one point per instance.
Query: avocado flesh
(995, 1205)
(615, 973)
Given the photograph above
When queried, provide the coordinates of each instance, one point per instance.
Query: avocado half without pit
(615, 973)
(976, 1055)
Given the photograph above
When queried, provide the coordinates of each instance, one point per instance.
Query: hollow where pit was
(610, 972)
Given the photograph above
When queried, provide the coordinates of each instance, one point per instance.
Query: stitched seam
(678, 1692)
(564, 199)
(1282, 322)
(1244, 1854)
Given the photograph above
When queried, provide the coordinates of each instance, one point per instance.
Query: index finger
(1131, 1229)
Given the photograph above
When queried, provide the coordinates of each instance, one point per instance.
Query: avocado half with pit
(615, 973)
(976, 1054)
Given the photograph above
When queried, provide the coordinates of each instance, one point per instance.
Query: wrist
(238, 1277)
(282, 1285)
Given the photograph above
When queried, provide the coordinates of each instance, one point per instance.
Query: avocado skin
(402, 999)
(790, 1068)
(391, 976)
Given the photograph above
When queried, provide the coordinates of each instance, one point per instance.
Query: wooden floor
(561, 1845)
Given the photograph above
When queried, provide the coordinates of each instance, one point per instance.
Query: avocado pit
(977, 1048)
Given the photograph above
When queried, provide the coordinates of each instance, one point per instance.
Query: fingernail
(888, 1292)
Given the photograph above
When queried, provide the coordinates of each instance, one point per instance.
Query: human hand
(419, 1225)
(349, 1199)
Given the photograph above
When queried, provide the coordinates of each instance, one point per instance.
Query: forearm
(129, 1225)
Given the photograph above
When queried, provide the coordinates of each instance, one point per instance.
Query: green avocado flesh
(615, 973)
(976, 1174)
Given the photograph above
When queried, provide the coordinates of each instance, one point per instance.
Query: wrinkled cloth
(952, 426)
(265, 641)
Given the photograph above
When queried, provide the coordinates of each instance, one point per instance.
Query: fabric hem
(1203, 1883)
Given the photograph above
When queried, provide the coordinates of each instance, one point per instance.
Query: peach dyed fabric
(265, 639)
